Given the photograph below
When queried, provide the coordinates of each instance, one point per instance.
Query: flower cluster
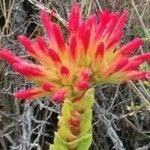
(91, 55)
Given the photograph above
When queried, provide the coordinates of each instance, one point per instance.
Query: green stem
(75, 124)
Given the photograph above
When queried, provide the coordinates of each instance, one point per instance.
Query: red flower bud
(47, 86)
(59, 95)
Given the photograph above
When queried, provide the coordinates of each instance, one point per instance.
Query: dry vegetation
(121, 112)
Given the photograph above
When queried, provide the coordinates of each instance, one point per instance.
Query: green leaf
(86, 125)
(83, 139)
(86, 102)
(64, 131)
(59, 143)
(66, 110)
(85, 143)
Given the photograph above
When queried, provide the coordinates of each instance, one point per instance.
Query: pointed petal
(29, 70)
(121, 22)
(120, 64)
(100, 50)
(9, 56)
(131, 46)
(114, 39)
(115, 67)
(84, 34)
(42, 45)
(135, 61)
(141, 58)
(47, 23)
(73, 46)
(74, 18)
(104, 19)
(138, 75)
(59, 37)
(54, 56)
(91, 21)
(111, 25)
(26, 43)
(31, 93)
(118, 30)
(53, 31)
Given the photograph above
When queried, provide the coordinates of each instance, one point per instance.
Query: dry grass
(121, 112)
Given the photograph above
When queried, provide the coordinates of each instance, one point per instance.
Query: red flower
(92, 54)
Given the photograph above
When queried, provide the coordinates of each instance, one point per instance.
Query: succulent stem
(75, 124)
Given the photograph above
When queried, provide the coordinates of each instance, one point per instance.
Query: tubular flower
(92, 54)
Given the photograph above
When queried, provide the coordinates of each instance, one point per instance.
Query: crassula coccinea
(92, 55)
(68, 69)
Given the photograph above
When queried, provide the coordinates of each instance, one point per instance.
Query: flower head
(92, 54)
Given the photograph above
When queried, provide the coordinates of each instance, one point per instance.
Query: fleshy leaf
(86, 101)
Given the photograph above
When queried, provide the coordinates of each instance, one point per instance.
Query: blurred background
(121, 112)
